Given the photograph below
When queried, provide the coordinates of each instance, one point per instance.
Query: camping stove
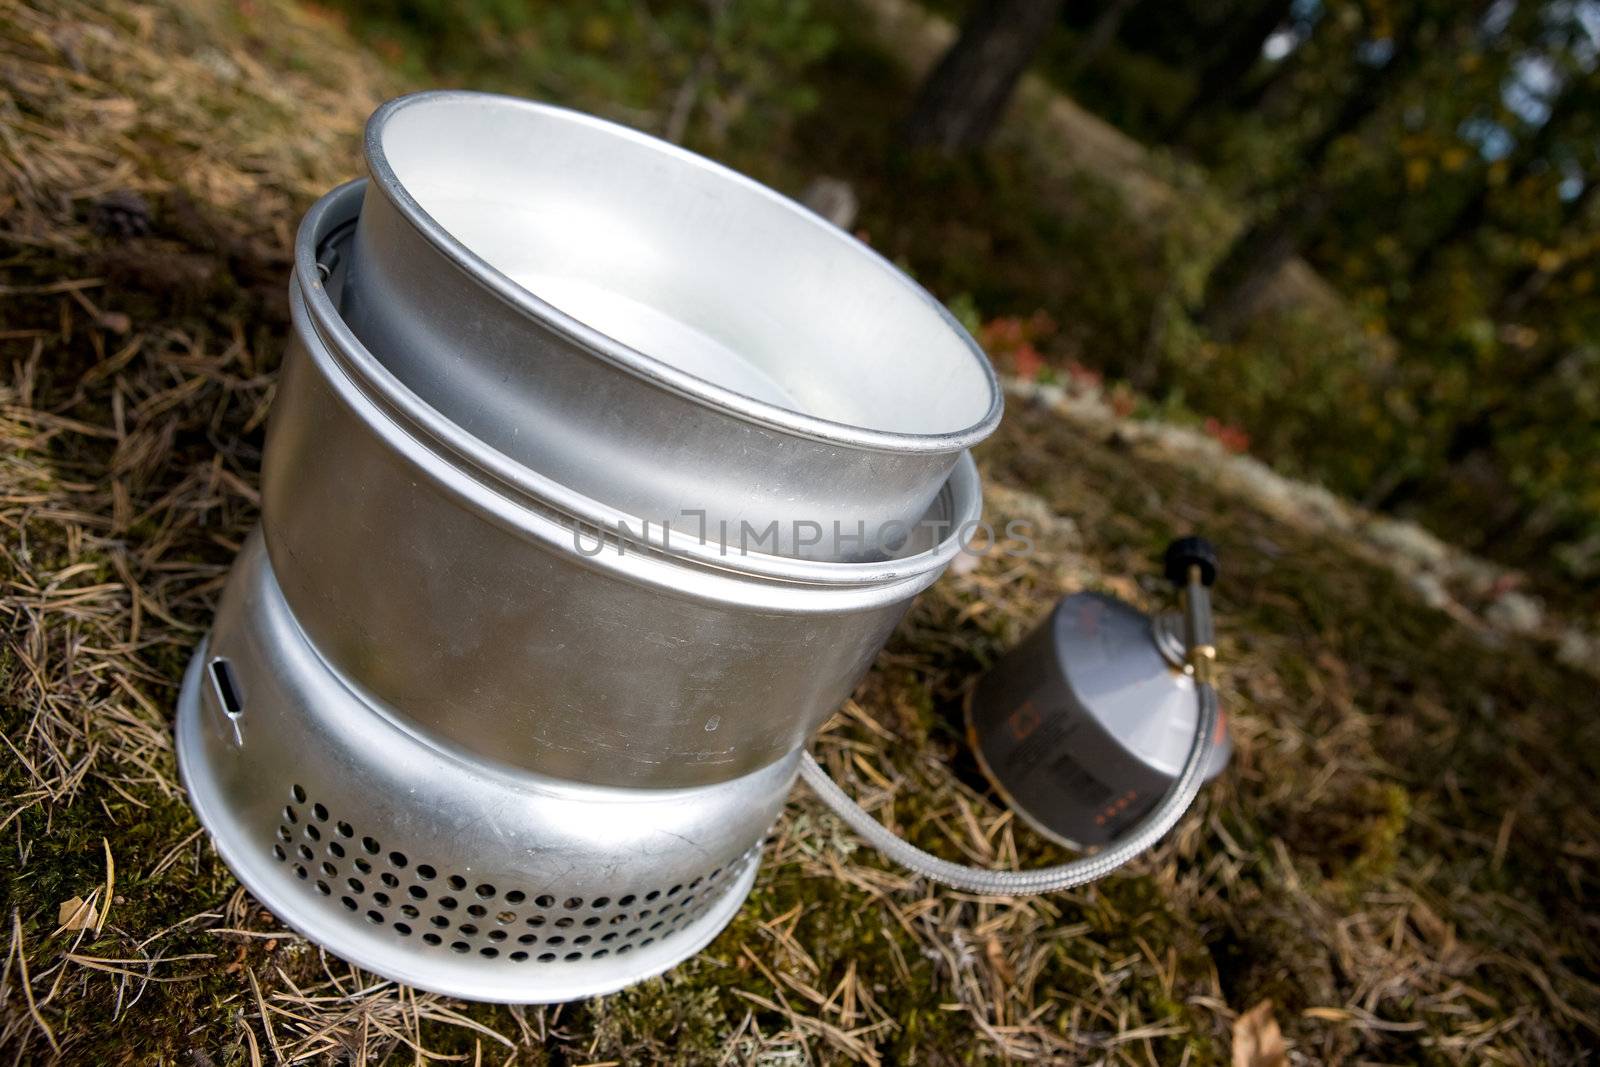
(476, 712)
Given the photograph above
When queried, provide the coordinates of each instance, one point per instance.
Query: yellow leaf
(1257, 1041)
(76, 914)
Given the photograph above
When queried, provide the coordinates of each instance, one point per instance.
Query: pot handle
(1191, 564)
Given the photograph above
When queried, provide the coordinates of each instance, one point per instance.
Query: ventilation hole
(363, 866)
(564, 922)
(635, 932)
(320, 812)
(403, 928)
(485, 891)
(695, 884)
(536, 920)
(418, 893)
(528, 939)
(687, 899)
(626, 901)
(556, 940)
(398, 859)
(497, 935)
(457, 882)
(572, 956)
(355, 885)
(305, 853)
(348, 902)
(447, 903)
(468, 929)
(593, 920)
(516, 896)
(370, 845)
(459, 946)
(647, 942)
(477, 911)
(432, 939)
(624, 950)
(330, 870)
(545, 901)
(488, 953)
(440, 921)
(645, 913)
(296, 792)
(652, 895)
(599, 902)
(390, 880)
(674, 890)
(324, 888)
(519, 956)
(283, 833)
(547, 957)
(658, 924)
(612, 936)
(716, 874)
(425, 872)
(382, 899)
(573, 902)
(506, 918)
(301, 873)
(346, 830)
(409, 911)
(618, 920)
(289, 816)
(313, 833)
(375, 917)
(600, 954)
(277, 850)
(335, 849)
(584, 940)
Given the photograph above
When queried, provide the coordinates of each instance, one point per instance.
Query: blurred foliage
(1460, 227)
(715, 73)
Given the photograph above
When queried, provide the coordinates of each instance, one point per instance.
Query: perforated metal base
(445, 873)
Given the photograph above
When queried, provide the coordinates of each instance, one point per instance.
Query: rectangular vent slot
(227, 689)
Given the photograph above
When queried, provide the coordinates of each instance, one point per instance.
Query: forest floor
(1399, 866)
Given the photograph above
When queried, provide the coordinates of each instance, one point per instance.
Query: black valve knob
(1188, 552)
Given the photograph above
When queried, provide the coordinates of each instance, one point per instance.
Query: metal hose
(1191, 565)
(1143, 834)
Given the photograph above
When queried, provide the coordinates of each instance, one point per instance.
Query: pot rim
(527, 488)
(647, 368)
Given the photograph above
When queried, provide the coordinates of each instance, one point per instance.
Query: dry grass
(1403, 857)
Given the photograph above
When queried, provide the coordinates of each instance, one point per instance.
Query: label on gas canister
(1056, 764)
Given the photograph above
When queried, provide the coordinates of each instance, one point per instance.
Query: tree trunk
(1220, 79)
(1101, 34)
(962, 100)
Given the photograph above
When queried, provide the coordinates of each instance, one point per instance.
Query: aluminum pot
(653, 330)
(452, 586)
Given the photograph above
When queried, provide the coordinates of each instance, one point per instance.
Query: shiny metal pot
(469, 594)
(652, 330)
